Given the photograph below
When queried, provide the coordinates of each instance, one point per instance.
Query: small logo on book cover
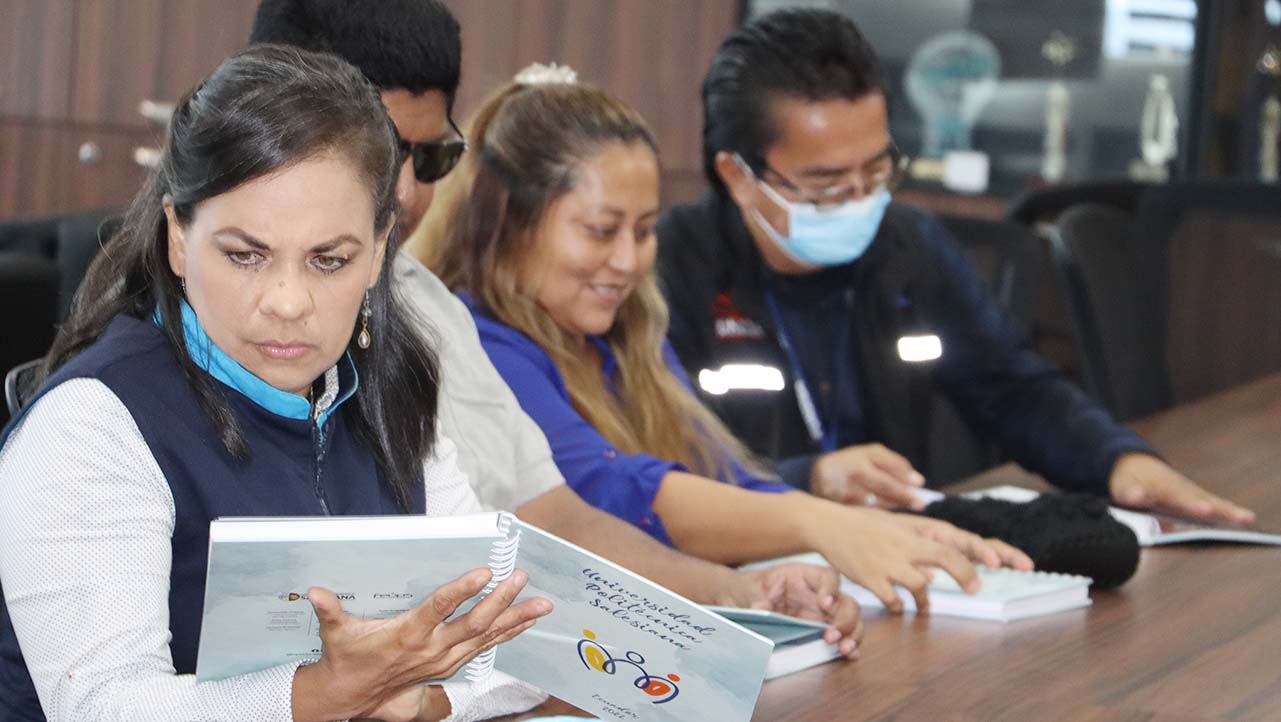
(295, 596)
(594, 656)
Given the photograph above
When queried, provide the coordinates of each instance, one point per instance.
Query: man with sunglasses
(429, 161)
(411, 51)
(834, 315)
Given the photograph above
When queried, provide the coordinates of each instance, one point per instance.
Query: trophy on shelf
(1060, 50)
(950, 80)
(1270, 117)
(1158, 133)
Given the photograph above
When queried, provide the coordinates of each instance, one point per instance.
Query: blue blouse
(622, 484)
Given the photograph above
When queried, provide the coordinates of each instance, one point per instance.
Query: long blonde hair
(527, 142)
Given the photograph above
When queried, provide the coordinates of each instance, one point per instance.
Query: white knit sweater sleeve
(85, 525)
(448, 493)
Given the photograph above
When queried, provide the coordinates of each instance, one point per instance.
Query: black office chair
(28, 303)
(19, 384)
(79, 238)
(1114, 307)
(1178, 301)
(1008, 257)
(1046, 204)
(68, 240)
(35, 236)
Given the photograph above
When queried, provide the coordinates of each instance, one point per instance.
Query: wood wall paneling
(130, 50)
(43, 172)
(116, 178)
(1217, 339)
(28, 170)
(84, 65)
(651, 54)
(35, 58)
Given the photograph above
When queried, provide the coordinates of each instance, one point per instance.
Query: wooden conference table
(1194, 636)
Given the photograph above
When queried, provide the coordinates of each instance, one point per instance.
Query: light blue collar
(209, 357)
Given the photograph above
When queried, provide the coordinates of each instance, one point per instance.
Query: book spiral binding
(502, 562)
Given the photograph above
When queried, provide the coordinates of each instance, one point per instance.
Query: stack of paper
(798, 643)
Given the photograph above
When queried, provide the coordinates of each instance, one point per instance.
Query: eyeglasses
(433, 159)
(884, 173)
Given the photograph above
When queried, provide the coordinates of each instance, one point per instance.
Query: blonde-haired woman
(547, 233)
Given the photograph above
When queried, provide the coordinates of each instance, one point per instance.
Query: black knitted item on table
(1065, 533)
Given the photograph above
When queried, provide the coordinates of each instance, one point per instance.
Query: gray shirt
(500, 449)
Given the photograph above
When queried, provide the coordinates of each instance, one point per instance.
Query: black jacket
(914, 279)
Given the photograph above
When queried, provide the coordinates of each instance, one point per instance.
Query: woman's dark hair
(264, 109)
(799, 53)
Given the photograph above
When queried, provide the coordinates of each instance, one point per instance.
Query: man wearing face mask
(798, 260)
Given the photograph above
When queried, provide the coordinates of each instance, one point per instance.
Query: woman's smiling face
(597, 241)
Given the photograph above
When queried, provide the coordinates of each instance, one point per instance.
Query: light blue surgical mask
(825, 236)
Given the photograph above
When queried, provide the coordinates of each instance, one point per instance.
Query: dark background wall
(73, 72)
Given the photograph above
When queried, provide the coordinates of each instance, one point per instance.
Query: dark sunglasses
(434, 159)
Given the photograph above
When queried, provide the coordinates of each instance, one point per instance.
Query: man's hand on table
(1141, 481)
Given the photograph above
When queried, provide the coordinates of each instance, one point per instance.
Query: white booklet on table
(1006, 594)
(798, 643)
(1151, 529)
(616, 644)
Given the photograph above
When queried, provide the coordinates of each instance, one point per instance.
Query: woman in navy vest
(237, 349)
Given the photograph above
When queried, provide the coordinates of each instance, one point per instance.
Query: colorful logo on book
(594, 656)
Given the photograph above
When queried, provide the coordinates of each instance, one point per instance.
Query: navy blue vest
(292, 466)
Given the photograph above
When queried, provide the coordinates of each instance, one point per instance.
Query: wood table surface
(1194, 636)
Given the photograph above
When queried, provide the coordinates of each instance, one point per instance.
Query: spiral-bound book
(615, 644)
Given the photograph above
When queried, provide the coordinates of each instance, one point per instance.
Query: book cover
(624, 648)
(256, 611)
(615, 644)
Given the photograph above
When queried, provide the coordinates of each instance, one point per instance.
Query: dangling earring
(183, 281)
(365, 337)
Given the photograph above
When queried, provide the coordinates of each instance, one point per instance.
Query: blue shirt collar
(609, 362)
(222, 367)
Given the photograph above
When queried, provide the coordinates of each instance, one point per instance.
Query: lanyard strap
(823, 436)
